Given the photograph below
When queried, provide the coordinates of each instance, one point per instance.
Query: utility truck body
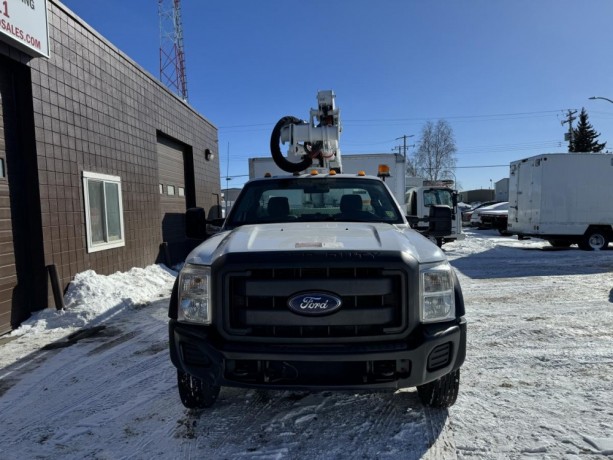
(564, 198)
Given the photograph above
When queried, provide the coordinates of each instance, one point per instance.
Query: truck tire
(594, 240)
(196, 393)
(442, 392)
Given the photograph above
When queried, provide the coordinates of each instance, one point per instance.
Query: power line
(491, 117)
(482, 166)
(509, 147)
(459, 117)
(370, 143)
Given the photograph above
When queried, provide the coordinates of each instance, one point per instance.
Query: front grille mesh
(372, 302)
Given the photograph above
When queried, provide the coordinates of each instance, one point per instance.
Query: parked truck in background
(420, 201)
(565, 198)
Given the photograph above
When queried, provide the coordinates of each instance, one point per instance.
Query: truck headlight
(195, 294)
(437, 294)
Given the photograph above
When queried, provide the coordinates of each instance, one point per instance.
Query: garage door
(171, 164)
(8, 272)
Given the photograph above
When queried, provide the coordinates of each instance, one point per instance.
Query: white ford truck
(316, 281)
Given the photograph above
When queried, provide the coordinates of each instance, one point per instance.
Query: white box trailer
(565, 198)
(352, 164)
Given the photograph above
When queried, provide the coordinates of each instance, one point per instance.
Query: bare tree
(435, 156)
(410, 168)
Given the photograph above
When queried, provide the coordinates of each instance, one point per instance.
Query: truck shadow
(510, 262)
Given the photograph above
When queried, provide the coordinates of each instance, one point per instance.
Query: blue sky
(502, 73)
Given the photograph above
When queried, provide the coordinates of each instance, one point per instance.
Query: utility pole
(570, 117)
(404, 146)
(408, 166)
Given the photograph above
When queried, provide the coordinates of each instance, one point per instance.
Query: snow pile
(92, 298)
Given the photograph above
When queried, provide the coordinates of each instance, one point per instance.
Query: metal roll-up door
(8, 271)
(171, 166)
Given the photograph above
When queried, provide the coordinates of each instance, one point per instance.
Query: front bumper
(431, 352)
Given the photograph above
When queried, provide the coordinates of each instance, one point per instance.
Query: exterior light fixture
(208, 155)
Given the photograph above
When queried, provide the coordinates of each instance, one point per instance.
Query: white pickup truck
(316, 281)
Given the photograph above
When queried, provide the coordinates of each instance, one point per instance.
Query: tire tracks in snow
(115, 396)
(322, 425)
(80, 390)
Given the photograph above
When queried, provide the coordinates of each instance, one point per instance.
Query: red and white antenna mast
(172, 56)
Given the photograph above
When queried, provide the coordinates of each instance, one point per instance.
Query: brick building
(98, 160)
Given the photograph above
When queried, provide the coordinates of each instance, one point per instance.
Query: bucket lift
(313, 141)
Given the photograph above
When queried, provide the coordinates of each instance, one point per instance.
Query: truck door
(514, 173)
(521, 208)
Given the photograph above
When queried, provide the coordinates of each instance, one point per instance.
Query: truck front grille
(373, 302)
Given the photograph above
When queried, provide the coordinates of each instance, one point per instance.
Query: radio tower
(172, 57)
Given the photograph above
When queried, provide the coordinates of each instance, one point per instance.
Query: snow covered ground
(95, 380)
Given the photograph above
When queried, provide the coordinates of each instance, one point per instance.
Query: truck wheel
(594, 240)
(196, 393)
(442, 392)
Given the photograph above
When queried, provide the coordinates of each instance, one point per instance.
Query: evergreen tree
(584, 136)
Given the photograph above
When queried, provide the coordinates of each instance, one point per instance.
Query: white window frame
(91, 246)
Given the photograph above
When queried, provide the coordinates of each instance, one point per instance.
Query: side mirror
(440, 221)
(454, 199)
(195, 224)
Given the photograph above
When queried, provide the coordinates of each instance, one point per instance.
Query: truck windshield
(435, 196)
(314, 200)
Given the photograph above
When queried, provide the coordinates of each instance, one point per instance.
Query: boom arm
(309, 141)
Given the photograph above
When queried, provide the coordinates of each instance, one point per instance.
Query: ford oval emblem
(314, 303)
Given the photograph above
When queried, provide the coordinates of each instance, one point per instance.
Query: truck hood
(317, 237)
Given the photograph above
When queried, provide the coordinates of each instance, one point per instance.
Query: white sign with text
(23, 24)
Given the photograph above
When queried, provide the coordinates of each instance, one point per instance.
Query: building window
(161, 189)
(181, 191)
(171, 190)
(103, 211)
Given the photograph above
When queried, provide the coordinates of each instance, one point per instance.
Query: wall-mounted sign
(23, 24)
